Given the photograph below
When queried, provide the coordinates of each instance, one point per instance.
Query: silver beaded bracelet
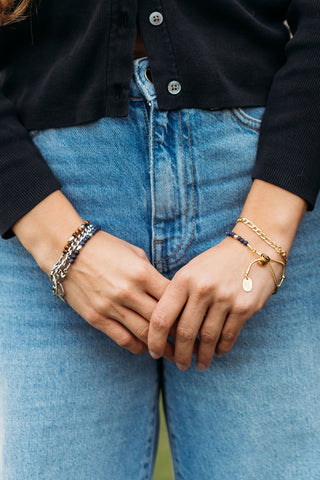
(75, 243)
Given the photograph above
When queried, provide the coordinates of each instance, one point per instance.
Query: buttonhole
(123, 22)
(118, 91)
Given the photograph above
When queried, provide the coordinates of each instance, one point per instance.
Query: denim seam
(193, 182)
(187, 202)
(154, 433)
(248, 123)
(152, 177)
(173, 450)
(243, 113)
(145, 116)
(193, 196)
(141, 84)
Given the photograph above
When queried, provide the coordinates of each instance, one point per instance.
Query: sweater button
(174, 87)
(156, 18)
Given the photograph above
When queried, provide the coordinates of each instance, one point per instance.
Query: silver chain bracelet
(75, 243)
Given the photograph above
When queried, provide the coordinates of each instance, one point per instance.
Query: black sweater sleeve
(22, 161)
(290, 129)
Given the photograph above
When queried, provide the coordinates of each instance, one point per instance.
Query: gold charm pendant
(247, 284)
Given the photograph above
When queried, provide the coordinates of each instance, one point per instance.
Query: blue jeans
(74, 405)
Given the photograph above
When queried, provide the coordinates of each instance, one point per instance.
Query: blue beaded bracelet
(83, 242)
(69, 255)
(262, 260)
(237, 237)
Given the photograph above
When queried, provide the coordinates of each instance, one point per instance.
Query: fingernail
(201, 366)
(154, 355)
(182, 367)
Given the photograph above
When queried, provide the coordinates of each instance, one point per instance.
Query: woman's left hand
(206, 297)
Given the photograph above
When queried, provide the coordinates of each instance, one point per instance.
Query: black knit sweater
(71, 62)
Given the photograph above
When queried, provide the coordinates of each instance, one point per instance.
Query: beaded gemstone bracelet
(70, 252)
(262, 260)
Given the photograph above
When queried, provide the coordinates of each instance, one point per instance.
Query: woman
(161, 153)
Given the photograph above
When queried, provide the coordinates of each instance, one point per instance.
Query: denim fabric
(74, 405)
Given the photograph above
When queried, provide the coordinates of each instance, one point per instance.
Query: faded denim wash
(74, 405)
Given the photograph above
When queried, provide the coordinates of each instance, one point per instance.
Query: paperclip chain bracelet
(264, 237)
(262, 260)
(70, 252)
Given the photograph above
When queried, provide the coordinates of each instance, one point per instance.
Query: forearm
(46, 228)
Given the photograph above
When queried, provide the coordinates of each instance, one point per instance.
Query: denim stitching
(145, 116)
(247, 116)
(193, 196)
(187, 203)
(154, 223)
(248, 125)
(173, 450)
(140, 81)
(154, 432)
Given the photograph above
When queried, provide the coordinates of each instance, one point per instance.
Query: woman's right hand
(112, 284)
(115, 288)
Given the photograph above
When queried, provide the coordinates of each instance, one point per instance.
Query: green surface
(163, 468)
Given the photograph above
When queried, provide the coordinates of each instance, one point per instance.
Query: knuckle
(141, 253)
(204, 289)
(143, 334)
(122, 292)
(125, 341)
(209, 338)
(223, 295)
(159, 321)
(141, 272)
(185, 334)
(183, 276)
(229, 337)
(103, 306)
(222, 350)
(93, 317)
(243, 308)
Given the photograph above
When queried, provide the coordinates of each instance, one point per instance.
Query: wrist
(45, 230)
(275, 211)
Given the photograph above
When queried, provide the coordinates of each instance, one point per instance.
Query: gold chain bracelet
(263, 260)
(264, 237)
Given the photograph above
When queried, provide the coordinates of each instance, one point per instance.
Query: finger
(168, 353)
(164, 315)
(210, 333)
(229, 334)
(140, 329)
(134, 322)
(79, 302)
(157, 284)
(143, 304)
(117, 332)
(187, 330)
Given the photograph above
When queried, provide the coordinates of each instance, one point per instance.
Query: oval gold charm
(247, 284)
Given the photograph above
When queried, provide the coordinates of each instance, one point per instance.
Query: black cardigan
(71, 62)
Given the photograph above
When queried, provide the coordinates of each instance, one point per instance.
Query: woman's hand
(115, 288)
(112, 285)
(206, 295)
